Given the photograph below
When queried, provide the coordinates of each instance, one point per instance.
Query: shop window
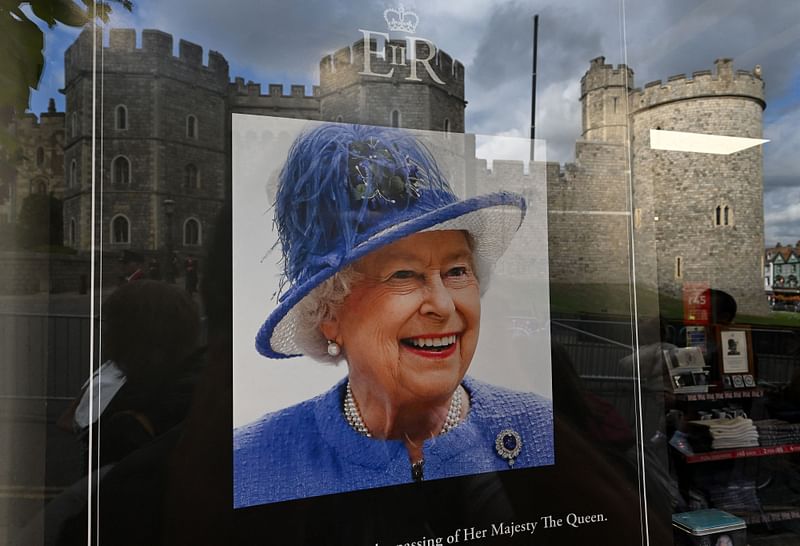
(121, 118)
(120, 230)
(191, 232)
(121, 171)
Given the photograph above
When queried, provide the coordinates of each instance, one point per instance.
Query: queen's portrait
(383, 271)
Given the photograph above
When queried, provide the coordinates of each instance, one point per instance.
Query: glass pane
(710, 160)
(650, 295)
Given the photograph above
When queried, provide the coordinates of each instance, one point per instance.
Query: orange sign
(696, 303)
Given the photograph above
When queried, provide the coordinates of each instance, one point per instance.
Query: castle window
(678, 267)
(191, 232)
(39, 156)
(120, 230)
(73, 173)
(191, 178)
(121, 118)
(72, 232)
(339, 119)
(40, 187)
(723, 215)
(446, 126)
(191, 127)
(74, 124)
(727, 216)
(395, 118)
(637, 218)
(121, 171)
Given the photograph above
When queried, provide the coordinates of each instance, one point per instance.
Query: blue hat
(347, 190)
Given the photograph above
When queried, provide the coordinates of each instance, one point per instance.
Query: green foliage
(22, 47)
(40, 222)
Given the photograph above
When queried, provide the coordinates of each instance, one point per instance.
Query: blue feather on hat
(343, 183)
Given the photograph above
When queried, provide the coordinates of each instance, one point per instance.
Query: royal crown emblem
(401, 20)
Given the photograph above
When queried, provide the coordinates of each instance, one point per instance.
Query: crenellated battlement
(238, 87)
(155, 55)
(348, 65)
(601, 76)
(724, 81)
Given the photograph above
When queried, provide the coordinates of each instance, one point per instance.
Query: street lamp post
(169, 211)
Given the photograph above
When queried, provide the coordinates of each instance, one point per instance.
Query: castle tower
(163, 165)
(42, 168)
(587, 201)
(604, 101)
(378, 83)
(702, 213)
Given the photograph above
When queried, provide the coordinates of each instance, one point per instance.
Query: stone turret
(164, 127)
(604, 101)
(379, 83)
(698, 207)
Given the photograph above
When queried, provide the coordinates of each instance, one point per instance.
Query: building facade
(166, 155)
(165, 162)
(679, 207)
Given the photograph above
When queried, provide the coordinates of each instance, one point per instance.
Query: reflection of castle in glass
(686, 206)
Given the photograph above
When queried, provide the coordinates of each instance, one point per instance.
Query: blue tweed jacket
(309, 449)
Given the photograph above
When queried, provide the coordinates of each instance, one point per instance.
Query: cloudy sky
(272, 42)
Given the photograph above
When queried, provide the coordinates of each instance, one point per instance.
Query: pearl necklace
(356, 422)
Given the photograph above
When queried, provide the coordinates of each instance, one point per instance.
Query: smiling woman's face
(409, 327)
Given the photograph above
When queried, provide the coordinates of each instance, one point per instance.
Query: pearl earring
(334, 348)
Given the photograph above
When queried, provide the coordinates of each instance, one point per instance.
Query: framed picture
(738, 382)
(749, 381)
(735, 349)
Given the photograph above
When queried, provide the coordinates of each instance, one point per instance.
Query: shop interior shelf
(770, 516)
(741, 453)
(721, 395)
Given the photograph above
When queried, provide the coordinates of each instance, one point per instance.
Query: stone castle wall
(683, 189)
(247, 98)
(589, 218)
(159, 92)
(350, 95)
(604, 101)
(39, 139)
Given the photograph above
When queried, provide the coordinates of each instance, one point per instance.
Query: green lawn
(615, 300)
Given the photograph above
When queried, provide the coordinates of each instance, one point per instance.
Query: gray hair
(319, 305)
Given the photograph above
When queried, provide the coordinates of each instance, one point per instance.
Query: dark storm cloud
(683, 40)
(499, 78)
(264, 38)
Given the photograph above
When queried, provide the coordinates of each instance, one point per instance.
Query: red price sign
(696, 303)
